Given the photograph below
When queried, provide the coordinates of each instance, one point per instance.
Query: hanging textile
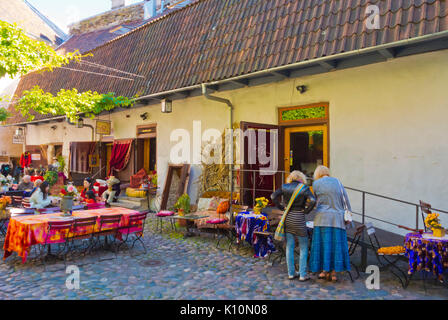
(119, 156)
(25, 159)
(79, 156)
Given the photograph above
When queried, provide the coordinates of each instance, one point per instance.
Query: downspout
(230, 105)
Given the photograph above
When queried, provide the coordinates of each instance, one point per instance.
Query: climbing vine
(68, 102)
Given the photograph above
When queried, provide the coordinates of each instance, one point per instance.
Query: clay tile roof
(214, 39)
(32, 21)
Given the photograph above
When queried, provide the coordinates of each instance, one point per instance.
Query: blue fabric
(246, 223)
(303, 262)
(329, 250)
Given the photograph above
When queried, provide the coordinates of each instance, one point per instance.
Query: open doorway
(146, 156)
(306, 148)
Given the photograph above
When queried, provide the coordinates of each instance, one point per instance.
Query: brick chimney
(118, 4)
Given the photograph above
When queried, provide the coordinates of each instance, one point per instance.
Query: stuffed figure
(113, 190)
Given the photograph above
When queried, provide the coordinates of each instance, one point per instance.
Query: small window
(303, 114)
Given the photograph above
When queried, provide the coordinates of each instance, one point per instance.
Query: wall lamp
(302, 89)
(167, 106)
(144, 116)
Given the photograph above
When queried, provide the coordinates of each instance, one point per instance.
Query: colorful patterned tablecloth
(246, 223)
(429, 254)
(26, 231)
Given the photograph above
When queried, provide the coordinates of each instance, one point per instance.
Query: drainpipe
(84, 125)
(230, 105)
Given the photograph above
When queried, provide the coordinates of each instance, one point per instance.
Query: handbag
(280, 231)
(348, 215)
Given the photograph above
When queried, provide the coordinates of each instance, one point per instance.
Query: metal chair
(57, 233)
(426, 209)
(109, 226)
(135, 227)
(352, 249)
(387, 262)
(83, 229)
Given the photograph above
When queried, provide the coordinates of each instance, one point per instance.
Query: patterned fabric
(295, 224)
(329, 250)
(426, 254)
(280, 232)
(26, 231)
(246, 223)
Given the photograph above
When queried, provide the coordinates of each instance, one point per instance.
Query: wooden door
(253, 184)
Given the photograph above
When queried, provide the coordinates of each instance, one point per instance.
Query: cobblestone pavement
(177, 268)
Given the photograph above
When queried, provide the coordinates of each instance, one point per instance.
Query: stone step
(132, 199)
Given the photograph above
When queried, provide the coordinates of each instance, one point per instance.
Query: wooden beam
(387, 53)
(328, 65)
(281, 74)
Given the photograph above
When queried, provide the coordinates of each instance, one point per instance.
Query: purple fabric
(426, 254)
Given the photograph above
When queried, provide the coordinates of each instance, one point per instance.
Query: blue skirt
(329, 250)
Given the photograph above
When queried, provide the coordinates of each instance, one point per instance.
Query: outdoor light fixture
(144, 116)
(80, 123)
(302, 89)
(167, 106)
(19, 132)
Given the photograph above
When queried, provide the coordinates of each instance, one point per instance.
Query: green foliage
(51, 177)
(68, 102)
(183, 203)
(304, 113)
(20, 54)
(4, 114)
(61, 161)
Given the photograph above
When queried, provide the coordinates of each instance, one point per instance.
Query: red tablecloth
(26, 231)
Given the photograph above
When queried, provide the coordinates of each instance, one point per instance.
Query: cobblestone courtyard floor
(193, 268)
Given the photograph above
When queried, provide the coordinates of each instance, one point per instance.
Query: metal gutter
(230, 105)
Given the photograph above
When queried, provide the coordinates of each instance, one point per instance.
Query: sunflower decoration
(432, 221)
(260, 204)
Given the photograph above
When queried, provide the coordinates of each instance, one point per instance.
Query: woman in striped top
(295, 222)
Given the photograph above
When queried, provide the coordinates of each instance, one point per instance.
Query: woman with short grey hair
(329, 248)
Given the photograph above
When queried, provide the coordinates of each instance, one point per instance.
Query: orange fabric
(26, 231)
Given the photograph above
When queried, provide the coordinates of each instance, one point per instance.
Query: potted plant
(67, 195)
(432, 221)
(51, 177)
(183, 204)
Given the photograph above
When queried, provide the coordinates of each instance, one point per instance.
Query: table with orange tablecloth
(26, 231)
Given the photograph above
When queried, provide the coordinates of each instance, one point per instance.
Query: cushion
(214, 203)
(165, 213)
(223, 206)
(204, 204)
(217, 221)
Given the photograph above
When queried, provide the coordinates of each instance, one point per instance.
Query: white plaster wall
(388, 126)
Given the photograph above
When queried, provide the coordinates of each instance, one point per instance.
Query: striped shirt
(295, 223)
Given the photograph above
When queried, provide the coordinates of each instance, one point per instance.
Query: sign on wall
(35, 157)
(103, 127)
(16, 139)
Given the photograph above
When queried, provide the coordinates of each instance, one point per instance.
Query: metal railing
(363, 215)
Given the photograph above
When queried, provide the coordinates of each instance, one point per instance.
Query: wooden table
(189, 218)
